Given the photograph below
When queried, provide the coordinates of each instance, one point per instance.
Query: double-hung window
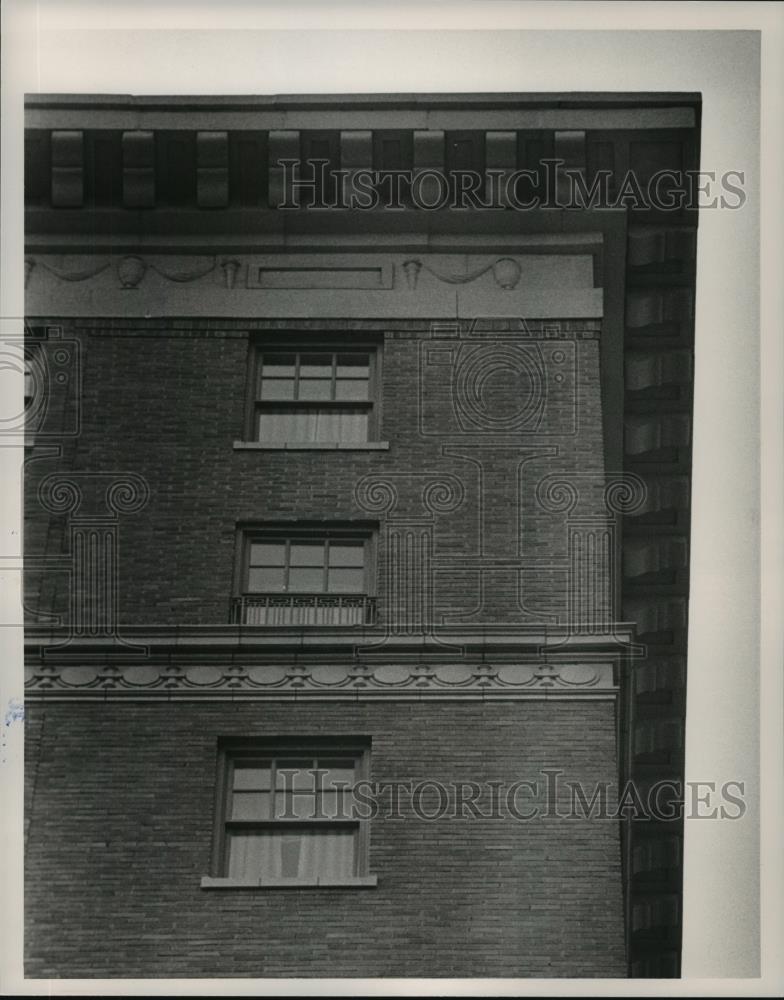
(300, 576)
(315, 396)
(287, 815)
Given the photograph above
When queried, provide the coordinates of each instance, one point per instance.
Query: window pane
(352, 366)
(346, 554)
(251, 777)
(295, 805)
(278, 366)
(351, 389)
(290, 853)
(336, 802)
(297, 773)
(306, 554)
(304, 580)
(315, 388)
(277, 388)
(344, 426)
(262, 580)
(304, 853)
(338, 769)
(328, 807)
(346, 581)
(267, 554)
(312, 425)
(280, 425)
(315, 366)
(250, 805)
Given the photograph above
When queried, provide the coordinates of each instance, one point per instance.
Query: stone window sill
(311, 445)
(359, 882)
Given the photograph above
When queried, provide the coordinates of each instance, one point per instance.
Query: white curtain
(313, 425)
(302, 854)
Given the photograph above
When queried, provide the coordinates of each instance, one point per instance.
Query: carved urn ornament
(230, 269)
(411, 269)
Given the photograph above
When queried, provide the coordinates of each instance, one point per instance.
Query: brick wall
(120, 830)
(166, 401)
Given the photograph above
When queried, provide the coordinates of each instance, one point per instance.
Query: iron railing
(304, 609)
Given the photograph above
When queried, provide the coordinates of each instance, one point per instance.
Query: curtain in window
(303, 854)
(313, 425)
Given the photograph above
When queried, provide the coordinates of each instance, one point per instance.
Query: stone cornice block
(138, 148)
(212, 169)
(67, 169)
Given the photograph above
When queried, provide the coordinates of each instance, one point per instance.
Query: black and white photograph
(391, 435)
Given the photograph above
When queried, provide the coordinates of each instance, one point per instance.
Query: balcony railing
(304, 609)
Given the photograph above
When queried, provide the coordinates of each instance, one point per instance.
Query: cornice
(343, 111)
(228, 662)
(571, 99)
(443, 641)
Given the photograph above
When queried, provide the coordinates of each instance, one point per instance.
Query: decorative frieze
(331, 680)
(519, 279)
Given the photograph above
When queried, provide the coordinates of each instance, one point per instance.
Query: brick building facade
(398, 494)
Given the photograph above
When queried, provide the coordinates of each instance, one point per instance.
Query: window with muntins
(306, 577)
(287, 815)
(315, 396)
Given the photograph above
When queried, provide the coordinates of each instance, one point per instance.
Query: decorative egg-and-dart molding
(335, 680)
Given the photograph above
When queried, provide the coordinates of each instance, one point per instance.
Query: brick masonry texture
(121, 829)
(167, 402)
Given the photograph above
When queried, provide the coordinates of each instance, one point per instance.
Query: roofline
(477, 101)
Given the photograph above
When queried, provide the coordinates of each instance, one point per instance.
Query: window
(315, 396)
(286, 815)
(29, 386)
(306, 577)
